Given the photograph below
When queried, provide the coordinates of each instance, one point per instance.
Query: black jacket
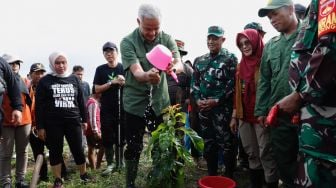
(12, 86)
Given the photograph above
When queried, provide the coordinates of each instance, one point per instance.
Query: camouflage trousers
(317, 141)
(217, 136)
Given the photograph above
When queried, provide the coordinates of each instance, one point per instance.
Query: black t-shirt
(59, 98)
(109, 98)
(183, 85)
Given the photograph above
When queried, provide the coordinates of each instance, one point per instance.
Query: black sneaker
(21, 184)
(58, 183)
(85, 178)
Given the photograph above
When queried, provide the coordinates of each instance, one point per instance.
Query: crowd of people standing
(227, 99)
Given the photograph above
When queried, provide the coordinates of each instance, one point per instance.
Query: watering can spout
(173, 74)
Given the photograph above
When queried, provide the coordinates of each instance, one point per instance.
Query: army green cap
(216, 30)
(272, 5)
(254, 25)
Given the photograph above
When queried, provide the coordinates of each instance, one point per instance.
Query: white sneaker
(108, 170)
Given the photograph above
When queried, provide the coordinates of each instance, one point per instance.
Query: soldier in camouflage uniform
(213, 86)
(313, 80)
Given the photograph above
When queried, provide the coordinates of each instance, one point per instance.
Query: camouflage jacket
(213, 77)
(313, 68)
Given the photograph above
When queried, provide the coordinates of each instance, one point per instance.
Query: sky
(33, 29)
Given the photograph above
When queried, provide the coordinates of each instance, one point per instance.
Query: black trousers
(72, 131)
(109, 129)
(38, 146)
(134, 132)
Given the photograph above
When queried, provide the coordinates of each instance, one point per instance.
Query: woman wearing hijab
(60, 112)
(255, 138)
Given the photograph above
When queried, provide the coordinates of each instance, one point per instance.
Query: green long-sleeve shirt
(133, 50)
(273, 82)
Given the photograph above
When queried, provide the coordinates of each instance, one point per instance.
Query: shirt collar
(293, 35)
(222, 51)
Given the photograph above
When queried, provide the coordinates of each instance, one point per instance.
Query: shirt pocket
(218, 74)
(275, 63)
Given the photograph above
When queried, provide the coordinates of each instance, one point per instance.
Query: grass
(117, 179)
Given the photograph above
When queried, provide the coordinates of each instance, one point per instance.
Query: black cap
(109, 45)
(37, 67)
(300, 8)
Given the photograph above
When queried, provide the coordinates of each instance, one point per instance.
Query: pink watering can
(160, 57)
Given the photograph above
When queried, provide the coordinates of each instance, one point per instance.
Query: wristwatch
(109, 82)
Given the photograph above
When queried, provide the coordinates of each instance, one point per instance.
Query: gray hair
(149, 11)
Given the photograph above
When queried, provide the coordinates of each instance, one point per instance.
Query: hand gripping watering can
(160, 57)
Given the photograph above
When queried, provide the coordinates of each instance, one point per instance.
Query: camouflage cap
(272, 5)
(216, 30)
(37, 67)
(254, 25)
(180, 45)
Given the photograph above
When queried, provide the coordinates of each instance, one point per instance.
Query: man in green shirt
(273, 86)
(144, 84)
